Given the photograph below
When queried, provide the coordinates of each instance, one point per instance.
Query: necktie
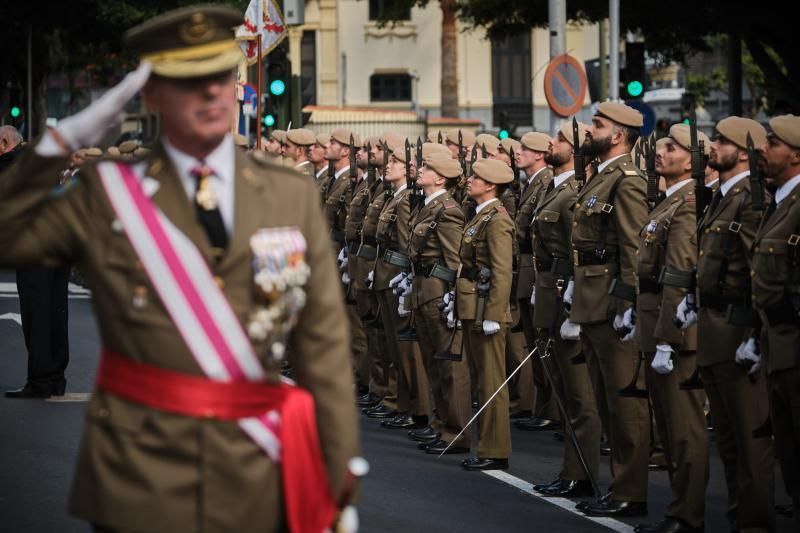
(715, 200)
(770, 209)
(551, 186)
(207, 208)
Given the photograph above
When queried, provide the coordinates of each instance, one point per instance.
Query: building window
(390, 88)
(389, 9)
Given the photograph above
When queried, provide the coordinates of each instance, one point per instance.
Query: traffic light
(687, 106)
(634, 76)
(506, 128)
(278, 73)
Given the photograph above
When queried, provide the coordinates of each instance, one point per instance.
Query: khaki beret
(394, 141)
(190, 42)
(323, 139)
(661, 142)
(372, 141)
(735, 129)
(621, 114)
(301, 137)
(509, 145)
(128, 147)
(400, 155)
(681, 134)
(278, 135)
(444, 165)
(239, 139)
(467, 137)
(93, 152)
(491, 142)
(113, 151)
(342, 136)
(566, 131)
(536, 140)
(433, 136)
(429, 149)
(787, 129)
(493, 171)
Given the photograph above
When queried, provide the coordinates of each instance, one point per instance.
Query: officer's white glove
(490, 327)
(345, 278)
(370, 279)
(406, 286)
(395, 281)
(451, 319)
(533, 295)
(686, 315)
(570, 331)
(342, 259)
(662, 362)
(568, 292)
(348, 520)
(617, 325)
(401, 307)
(88, 126)
(629, 324)
(748, 354)
(449, 301)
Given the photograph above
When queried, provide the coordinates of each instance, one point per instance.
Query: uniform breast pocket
(547, 224)
(719, 238)
(770, 261)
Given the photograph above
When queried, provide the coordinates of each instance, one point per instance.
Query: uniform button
(752, 272)
(605, 270)
(707, 230)
(219, 281)
(717, 228)
(139, 297)
(578, 204)
(574, 224)
(701, 253)
(771, 249)
(103, 412)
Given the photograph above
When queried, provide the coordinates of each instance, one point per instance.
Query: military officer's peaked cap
(491, 142)
(680, 133)
(342, 136)
(301, 137)
(735, 129)
(621, 114)
(467, 137)
(787, 129)
(536, 141)
(566, 131)
(429, 149)
(323, 139)
(444, 165)
(509, 145)
(493, 171)
(190, 42)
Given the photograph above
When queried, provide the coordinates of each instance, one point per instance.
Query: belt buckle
(794, 239)
(575, 256)
(607, 208)
(734, 227)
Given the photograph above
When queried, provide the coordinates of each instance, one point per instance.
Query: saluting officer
(483, 291)
(190, 427)
(668, 248)
(609, 212)
(776, 294)
(738, 398)
(551, 229)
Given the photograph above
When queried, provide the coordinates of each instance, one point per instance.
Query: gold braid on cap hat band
(192, 52)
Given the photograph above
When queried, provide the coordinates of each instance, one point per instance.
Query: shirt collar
(342, 171)
(564, 176)
(530, 180)
(221, 160)
(784, 190)
(711, 184)
(602, 166)
(484, 204)
(728, 185)
(675, 186)
(429, 199)
(400, 189)
(321, 172)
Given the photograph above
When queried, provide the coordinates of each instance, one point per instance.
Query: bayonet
(649, 147)
(756, 185)
(577, 155)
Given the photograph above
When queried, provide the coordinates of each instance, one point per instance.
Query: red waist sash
(310, 506)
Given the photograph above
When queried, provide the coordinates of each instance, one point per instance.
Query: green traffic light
(635, 88)
(687, 121)
(269, 121)
(503, 134)
(277, 87)
(16, 112)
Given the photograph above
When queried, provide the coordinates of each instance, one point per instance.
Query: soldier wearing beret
(187, 250)
(297, 148)
(776, 294)
(609, 212)
(461, 152)
(667, 250)
(274, 144)
(551, 229)
(483, 292)
(531, 153)
(433, 249)
(736, 394)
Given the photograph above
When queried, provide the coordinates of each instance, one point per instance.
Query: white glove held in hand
(568, 292)
(449, 301)
(345, 278)
(395, 281)
(629, 323)
(342, 259)
(370, 279)
(406, 285)
(570, 331)
(748, 354)
(451, 319)
(348, 520)
(490, 327)
(685, 315)
(88, 126)
(662, 362)
(401, 307)
(533, 295)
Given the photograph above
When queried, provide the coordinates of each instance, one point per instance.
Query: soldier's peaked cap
(621, 114)
(566, 131)
(190, 42)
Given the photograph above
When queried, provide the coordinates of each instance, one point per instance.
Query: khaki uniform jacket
(668, 239)
(487, 242)
(357, 268)
(438, 245)
(522, 221)
(591, 302)
(551, 230)
(146, 470)
(392, 234)
(776, 239)
(337, 201)
(307, 169)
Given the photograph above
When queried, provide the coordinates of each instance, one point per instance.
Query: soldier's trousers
(449, 380)
(358, 346)
(382, 380)
(784, 401)
(523, 386)
(681, 424)
(543, 404)
(413, 391)
(486, 356)
(738, 406)
(626, 420)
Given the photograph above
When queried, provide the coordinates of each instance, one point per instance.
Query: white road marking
(76, 292)
(16, 317)
(563, 503)
(70, 397)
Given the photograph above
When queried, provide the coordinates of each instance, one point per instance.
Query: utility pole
(613, 19)
(557, 11)
(603, 52)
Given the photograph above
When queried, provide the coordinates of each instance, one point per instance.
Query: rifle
(409, 181)
(650, 165)
(473, 157)
(484, 284)
(462, 160)
(352, 159)
(371, 178)
(484, 154)
(756, 185)
(417, 197)
(577, 155)
(515, 184)
(387, 187)
(440, 137)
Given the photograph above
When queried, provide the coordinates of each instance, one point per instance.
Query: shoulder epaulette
(501, 209)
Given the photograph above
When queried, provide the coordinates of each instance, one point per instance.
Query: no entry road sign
(565, 85)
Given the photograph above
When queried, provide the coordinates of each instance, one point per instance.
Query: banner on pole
(264, 17)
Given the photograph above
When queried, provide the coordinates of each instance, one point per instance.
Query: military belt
(741, 315)
(719, 302)
(649, 286)
(470, 273)
(365, 251)
(435, 270)
(672, 277)
(353, 247)
(369, 240)
(397, 259)
(782, 314)
(595, 257)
